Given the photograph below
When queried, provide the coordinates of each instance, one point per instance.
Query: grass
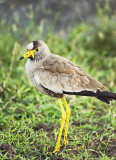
(30, 120)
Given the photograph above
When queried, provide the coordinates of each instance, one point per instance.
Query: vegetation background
(29, 120)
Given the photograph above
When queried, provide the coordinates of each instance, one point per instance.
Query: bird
(57, 77)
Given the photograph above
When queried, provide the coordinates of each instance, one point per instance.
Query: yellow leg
(62, 125)
(67, 120)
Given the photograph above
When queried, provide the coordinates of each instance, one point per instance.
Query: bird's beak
(28, 54)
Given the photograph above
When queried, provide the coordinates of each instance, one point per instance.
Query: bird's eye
(37, 49)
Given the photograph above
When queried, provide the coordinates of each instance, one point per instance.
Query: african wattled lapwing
(56, 76)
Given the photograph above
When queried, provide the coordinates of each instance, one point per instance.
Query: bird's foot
(63, 145)
(65, 140)
(56, 149)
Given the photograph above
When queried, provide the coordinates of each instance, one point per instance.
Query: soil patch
(45, 127)
(7, 148)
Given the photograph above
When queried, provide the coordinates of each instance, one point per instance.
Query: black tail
(104, 96)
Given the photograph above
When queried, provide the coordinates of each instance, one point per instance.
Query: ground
(29, 128)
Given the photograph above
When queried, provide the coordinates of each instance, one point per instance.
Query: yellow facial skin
(28, 54)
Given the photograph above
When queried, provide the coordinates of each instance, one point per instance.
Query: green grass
(30, 121)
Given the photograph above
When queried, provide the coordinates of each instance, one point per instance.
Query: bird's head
(35, 50)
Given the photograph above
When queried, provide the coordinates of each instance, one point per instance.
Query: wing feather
(59, 74)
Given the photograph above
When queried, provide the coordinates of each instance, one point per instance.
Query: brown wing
(61, 75)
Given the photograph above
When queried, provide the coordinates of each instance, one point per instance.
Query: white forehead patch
(30, 46)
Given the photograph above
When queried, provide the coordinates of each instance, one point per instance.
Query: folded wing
(61, 75)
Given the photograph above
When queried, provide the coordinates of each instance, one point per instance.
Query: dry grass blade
(14, 53)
